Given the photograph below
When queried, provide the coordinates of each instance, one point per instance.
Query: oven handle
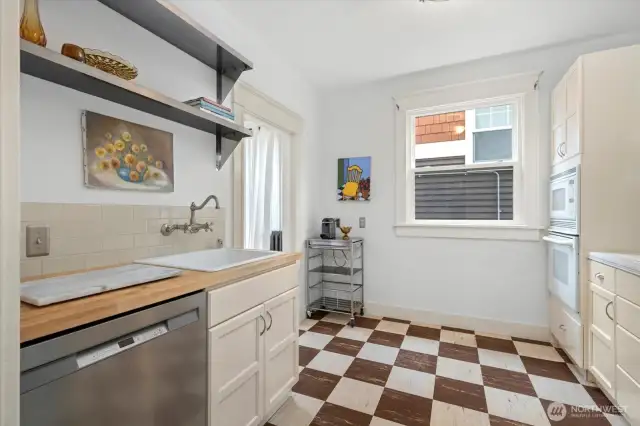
(562, 242)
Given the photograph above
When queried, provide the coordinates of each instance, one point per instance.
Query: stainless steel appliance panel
(161, 381)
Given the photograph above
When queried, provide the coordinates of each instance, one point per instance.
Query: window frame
(527, 195)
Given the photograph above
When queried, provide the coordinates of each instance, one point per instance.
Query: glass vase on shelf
(30, 25)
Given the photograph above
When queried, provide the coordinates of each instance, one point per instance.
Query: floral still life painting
(126, 156)
(354, 179)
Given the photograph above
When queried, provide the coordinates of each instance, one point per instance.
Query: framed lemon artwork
(354, 179)
(122, 155)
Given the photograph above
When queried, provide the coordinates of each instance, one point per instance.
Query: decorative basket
(110, 63)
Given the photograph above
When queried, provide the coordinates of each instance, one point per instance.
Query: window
(493, 133)
(263, 161)
(449, 145)
(463, 165)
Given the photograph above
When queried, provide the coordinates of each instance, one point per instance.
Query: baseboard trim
(483, 325)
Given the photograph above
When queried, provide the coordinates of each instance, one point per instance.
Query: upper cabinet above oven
(566, 110)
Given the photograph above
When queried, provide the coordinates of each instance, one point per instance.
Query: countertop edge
(617, 260)
(39, 322)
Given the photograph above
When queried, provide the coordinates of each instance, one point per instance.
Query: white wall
(51, 137)
(499, 280)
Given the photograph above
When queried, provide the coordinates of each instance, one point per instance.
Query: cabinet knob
(600, 276)
(562, 327)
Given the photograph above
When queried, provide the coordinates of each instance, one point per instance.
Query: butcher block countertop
(37, 322)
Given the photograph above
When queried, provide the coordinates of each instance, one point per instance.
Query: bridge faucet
(193, 207)
(192, 227)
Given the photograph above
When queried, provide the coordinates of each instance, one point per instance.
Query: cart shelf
(346, 297)
(336, 270)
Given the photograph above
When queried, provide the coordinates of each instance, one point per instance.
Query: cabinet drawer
(628, 395)
(602, 275)
(628, 352)
(568, 331)
(628, 286)
(233, 299)
(628, 315)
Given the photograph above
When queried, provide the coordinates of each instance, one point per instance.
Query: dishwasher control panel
(114, 347)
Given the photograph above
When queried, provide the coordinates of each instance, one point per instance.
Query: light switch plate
(37, 240)
(363, 222)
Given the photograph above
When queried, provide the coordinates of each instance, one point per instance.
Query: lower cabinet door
(628, 395)
(602, 363)
(281, 348)
(236, 370)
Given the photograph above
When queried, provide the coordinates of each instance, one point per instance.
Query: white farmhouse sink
(210, 260)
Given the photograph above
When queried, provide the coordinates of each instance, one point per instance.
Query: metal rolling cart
(335, 276)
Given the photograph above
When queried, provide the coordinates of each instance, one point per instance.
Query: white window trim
(527, 222)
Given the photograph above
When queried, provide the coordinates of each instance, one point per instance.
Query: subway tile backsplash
(92, 235)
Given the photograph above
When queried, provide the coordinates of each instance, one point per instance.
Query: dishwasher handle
(59, 368)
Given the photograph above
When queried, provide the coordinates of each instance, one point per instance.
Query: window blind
(485, 194)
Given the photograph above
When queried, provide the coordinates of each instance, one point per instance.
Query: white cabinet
(602, 360)
(253, 354)
(566, 114)
(614, 336)
(281, 349)
(236, 370)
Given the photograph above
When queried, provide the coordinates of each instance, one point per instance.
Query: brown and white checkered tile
(391, 372)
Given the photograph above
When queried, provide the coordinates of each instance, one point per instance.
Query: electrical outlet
(37, 240)
(363, 222)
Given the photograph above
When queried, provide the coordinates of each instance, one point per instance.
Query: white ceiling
(337, 42)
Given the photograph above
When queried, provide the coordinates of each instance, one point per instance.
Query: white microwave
(564, 203)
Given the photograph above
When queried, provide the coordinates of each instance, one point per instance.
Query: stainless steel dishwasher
(146, 368)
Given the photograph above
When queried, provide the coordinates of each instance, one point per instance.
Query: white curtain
(262, 170)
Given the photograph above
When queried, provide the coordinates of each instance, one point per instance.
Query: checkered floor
(391, 372)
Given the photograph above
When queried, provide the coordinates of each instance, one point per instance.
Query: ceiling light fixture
(432, 1)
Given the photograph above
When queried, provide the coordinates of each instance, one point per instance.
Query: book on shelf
(211, 108)
(201, 100)
(217, 111)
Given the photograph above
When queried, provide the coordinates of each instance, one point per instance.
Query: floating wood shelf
(56, 68)
(169, 23)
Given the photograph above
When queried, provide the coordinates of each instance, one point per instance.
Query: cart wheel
(309, 314)
(362, 311)
(352, 322)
